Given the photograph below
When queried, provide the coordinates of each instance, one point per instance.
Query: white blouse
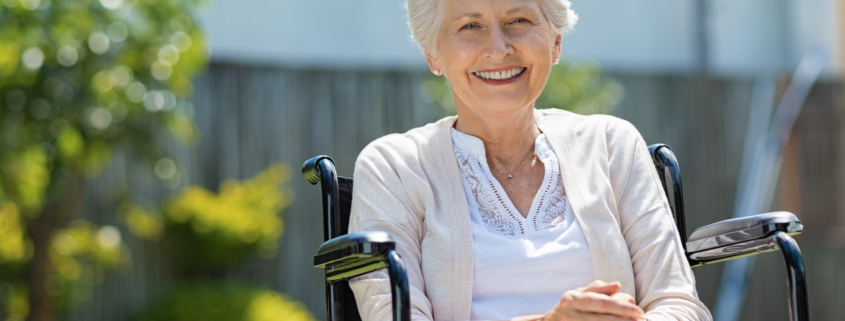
(522, 265)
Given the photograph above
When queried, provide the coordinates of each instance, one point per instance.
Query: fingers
(600, 317)
(597, 303)
(602, 287)
(623, 297)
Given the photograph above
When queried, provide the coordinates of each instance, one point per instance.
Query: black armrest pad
(353, 246)
(742, 229)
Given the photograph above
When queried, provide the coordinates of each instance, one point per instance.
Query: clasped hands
(596, 301)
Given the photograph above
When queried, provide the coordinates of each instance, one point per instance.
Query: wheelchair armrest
(353, 254)
(740, 236)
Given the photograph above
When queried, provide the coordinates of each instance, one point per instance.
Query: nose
(498, 45)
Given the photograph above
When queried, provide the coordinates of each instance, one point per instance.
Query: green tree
(78, 79)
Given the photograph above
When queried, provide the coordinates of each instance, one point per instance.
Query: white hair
(425, 18)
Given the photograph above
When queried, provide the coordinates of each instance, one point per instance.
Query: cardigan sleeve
(381, 202)
(664, 282)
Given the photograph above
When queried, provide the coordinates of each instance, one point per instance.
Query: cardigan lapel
(562, 138)
(462, 270)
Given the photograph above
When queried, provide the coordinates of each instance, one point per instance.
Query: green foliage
(79, 78)
(26, 177)
(79, 256)
(208, 232)
(16, 300)
(580, 88)
(143, 222)
(226, 302)
(14, 247)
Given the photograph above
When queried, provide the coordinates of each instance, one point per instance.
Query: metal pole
(798, 310)
(399, 287)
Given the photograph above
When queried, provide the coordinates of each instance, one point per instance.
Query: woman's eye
(519, 20)
(470, 26)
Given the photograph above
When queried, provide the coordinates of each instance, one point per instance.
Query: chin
(504, 106)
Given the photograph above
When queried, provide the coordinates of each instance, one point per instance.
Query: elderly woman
(508, 212)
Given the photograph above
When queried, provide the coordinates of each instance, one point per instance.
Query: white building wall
(749, 36)
(753, 36)
(814, 24)
(345, 33)
(743, 37)
(657, 35)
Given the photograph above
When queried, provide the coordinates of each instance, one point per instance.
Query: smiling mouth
(500, 75)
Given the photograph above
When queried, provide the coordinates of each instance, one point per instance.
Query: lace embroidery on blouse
(498, 214)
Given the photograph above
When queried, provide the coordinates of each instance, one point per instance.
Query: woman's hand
(596, 301)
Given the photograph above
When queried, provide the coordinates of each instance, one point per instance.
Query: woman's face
(497, 54)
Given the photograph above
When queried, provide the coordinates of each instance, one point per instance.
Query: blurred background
(150, 149)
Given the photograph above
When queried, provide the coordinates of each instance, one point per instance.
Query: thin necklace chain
(517, 166)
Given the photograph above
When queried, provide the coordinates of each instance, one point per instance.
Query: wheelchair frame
(345, 256)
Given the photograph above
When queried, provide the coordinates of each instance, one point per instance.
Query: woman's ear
(556, 48)
(433, 64)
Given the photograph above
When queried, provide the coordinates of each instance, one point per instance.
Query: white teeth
(499, 75)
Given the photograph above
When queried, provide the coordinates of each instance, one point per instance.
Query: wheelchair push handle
(311, 168)
(345, 256)
(320, 169)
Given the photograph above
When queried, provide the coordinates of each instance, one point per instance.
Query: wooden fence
(251, 117)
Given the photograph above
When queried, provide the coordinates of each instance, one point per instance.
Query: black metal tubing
(667, 165)
(798, 310)
(320, 169)
(334, 301)
(399, 286)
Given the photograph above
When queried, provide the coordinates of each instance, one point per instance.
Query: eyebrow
(518, 9)
(478, 15)
(468, 15)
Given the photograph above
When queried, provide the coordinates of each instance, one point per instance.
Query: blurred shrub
(208, 232)
(79, 255)
(226, 302)
(580, 88)
(143, 222)
(577, 87)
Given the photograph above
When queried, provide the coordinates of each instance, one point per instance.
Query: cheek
(536, 42)
(460, 51)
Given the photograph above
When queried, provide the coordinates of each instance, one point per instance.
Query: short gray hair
(425, 17)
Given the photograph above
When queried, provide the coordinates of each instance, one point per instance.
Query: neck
(507, 135)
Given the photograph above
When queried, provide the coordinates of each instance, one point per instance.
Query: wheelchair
(345, 256)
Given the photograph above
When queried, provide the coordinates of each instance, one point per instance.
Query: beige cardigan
(409, 186)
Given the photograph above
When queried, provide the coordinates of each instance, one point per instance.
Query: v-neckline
(532, 211)
(542, 146)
